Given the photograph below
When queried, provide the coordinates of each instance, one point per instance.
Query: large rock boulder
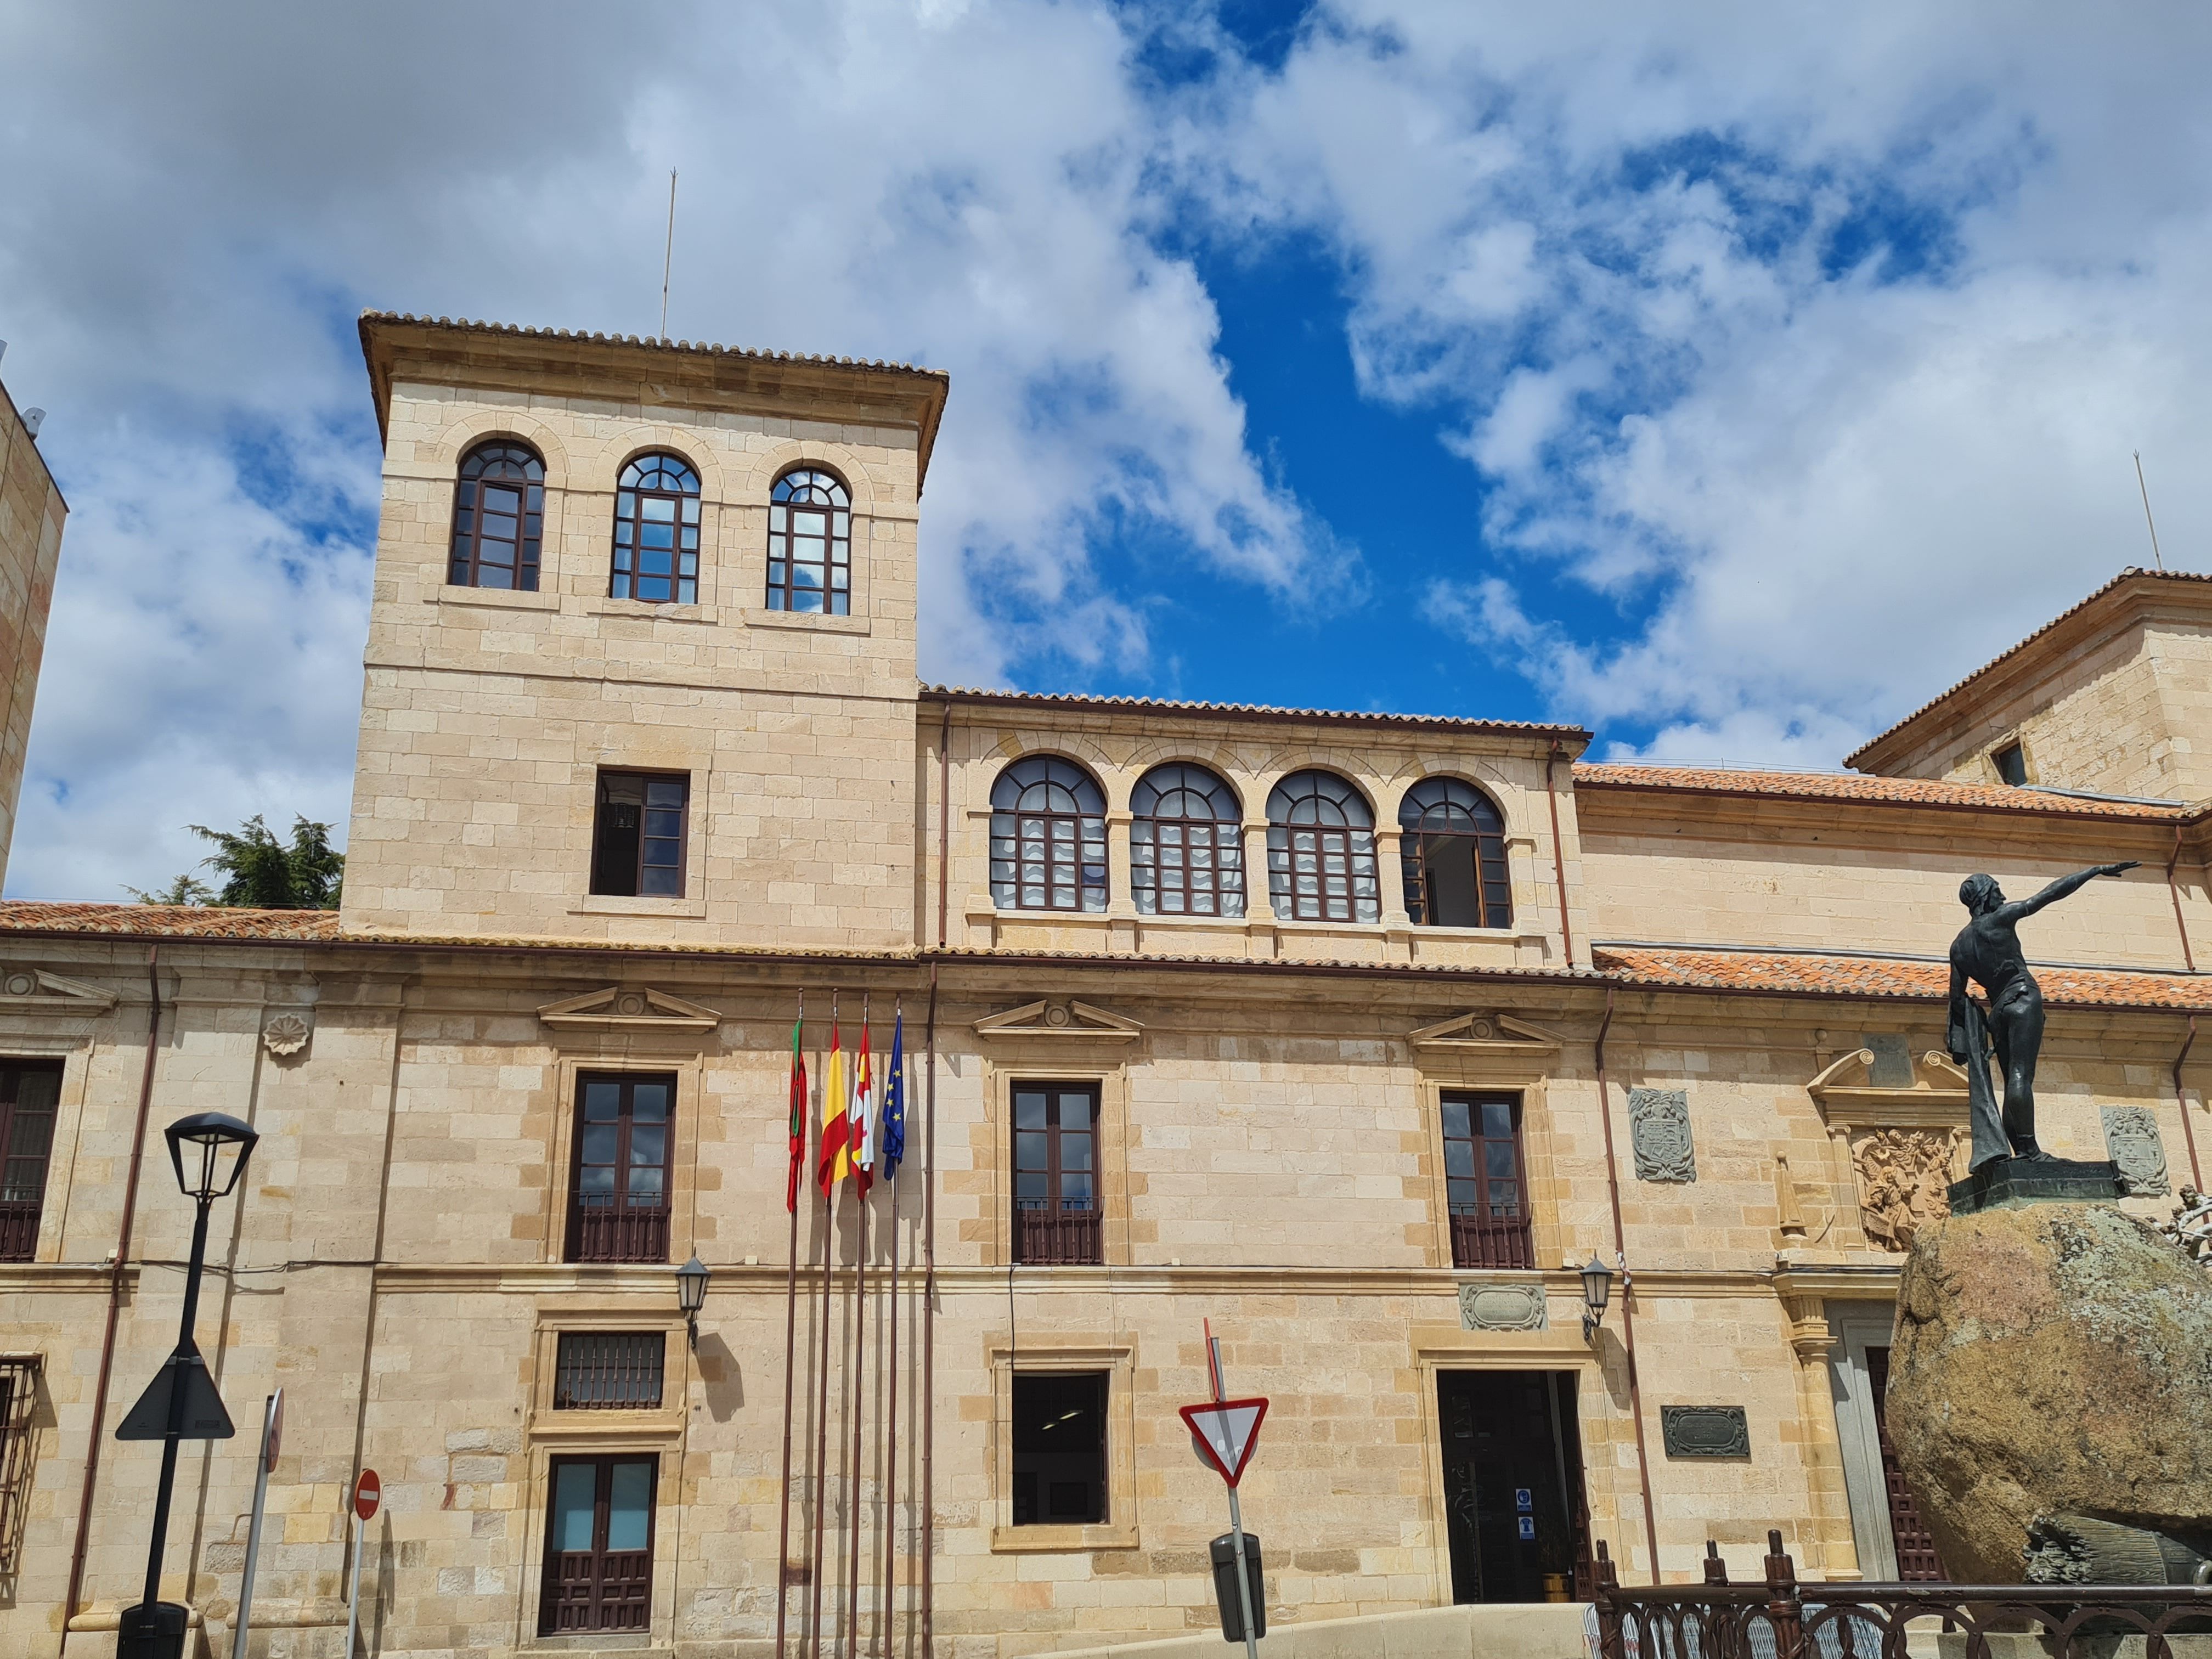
(2054, 1359)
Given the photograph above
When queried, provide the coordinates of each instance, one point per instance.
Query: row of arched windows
(499, 524)
(1187, 847)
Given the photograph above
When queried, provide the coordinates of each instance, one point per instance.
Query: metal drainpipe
(929, 1209)
(2173, 892)
(2180, 1100)
(116, 1275)
(1559, 853)
(1627, 1312)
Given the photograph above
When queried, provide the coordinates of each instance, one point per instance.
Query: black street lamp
(208, 1152)
(1597, 1291)
(691, 1293)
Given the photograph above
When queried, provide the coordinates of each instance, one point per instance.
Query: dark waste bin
(1224, 1549)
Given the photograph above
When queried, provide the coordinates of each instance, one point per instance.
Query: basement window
(2011, 761)
(1059, 1449)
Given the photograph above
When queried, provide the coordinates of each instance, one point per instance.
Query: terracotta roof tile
(1075, 700)
(1831, 786)
(470, 326)
(1782, 973)
(167, 920)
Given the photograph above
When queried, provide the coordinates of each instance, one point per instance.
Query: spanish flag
(837, 1162)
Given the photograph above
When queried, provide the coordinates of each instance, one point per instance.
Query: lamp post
(691, 1294)
(208, 1150)
(1597, 1291)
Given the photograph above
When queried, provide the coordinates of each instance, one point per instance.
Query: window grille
(1186, 844)
(638, 835)
(1321, 851)
(30, 1093)
(19, 1398)
(1452, 853)
(809, 543)
(1056, 1213)
(621, 1208)
(1486, 1189)
(1048, 837)
(599, 1546)
(609, 1370)
(498, 517)
(657, 531)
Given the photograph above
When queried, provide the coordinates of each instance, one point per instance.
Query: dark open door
(1515, 1516)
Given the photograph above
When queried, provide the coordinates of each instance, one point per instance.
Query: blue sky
(1726, 379)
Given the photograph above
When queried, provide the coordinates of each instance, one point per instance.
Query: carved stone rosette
(1902, 1174)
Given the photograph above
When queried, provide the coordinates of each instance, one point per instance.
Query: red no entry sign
(1224, 1432)
(367, 1493)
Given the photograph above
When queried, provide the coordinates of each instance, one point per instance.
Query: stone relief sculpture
(1904, 1174)
(2132, 1137)
(1659, 1134)
(2190, 1227)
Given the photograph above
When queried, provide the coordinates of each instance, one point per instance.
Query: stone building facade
(1356, 1036)
(30, 514)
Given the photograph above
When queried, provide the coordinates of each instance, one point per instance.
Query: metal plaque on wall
(1704, 1432)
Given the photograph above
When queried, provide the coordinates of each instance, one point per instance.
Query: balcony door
(1487, 1181)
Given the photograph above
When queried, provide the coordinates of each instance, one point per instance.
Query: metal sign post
(367, 1493)
(272, 1437)
(1223, 1433)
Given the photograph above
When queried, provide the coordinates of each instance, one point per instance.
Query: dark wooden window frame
(576, 1592)
(810, 488)
(656, 476)
(524, 468)
(1186, 862)
(1049, 1231)
(601, 884)
(620, 1230)
(1439, 811)
(1321, 830)
(27, 1149)
(610, 1371)
(1043, 1510)
(1486, 1232)
(1047, 804)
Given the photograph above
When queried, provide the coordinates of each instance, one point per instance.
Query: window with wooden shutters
(599, 1546)
(1452, 853)
(657, 531)
(30, 1091)
(1056, 1215)
(1186, 844)
(1048, 837)
(498, 517)
(609, 1370)
(638, 835)
(1321, 851)
(1486, 1183)
(620, 1213)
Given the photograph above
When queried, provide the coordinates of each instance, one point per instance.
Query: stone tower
(596, 706)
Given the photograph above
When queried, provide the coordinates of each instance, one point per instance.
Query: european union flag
(891, 1143)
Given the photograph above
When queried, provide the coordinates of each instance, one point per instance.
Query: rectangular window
(1059, 1449)
(609, 1370)
(30, 1090)
(621, 1208)
(2011, 762)
(19, 1396)
(1485, 1186)
(638, 835)
(1056, 1174)
(599, 1546)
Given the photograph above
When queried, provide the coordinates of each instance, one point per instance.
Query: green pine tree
(262, 872)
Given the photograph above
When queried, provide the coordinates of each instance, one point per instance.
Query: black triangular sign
(205, 1418)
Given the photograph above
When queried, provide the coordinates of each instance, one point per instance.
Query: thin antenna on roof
(667, 254)
(2155, 554)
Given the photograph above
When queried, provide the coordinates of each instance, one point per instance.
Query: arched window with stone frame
(1048, 837)
(1451, 849)
(656, 553)
(1186, 844)
(810, 542)
(1321, 851)
(498, 517)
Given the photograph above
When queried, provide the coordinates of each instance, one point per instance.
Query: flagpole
(821, 1393)
(890, 1428)
(858, 1390)
(791, 1329)
(929, 1312)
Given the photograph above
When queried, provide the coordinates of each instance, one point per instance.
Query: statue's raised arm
(2063, 887)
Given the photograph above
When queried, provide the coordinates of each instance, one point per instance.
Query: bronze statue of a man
(1987, 952)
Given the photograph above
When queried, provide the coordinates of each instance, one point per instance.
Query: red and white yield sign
(1224, 1432)
(367, 1493)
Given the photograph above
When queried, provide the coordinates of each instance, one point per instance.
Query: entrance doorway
(1514, 1515)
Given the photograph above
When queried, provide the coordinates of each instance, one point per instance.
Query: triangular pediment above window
(1502, 1035)
(1050, 1017)
(628, 1009)
(26, 988)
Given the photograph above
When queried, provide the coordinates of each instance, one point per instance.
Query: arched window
(1453, 853)
(809, 543)
(1186, 844)
(498, 517)
(1048, 837)
(657, 531)
(1321, 851)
